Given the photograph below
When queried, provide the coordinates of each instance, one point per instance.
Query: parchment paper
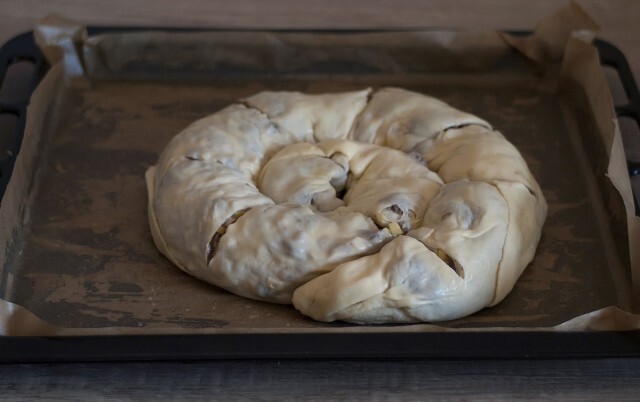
(77, 249)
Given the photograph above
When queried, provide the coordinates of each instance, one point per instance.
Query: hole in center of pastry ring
(388, 186)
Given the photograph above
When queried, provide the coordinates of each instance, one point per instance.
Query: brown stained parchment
(89, 221)
(87, 259)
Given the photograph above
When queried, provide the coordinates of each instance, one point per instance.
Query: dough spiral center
(386, 185)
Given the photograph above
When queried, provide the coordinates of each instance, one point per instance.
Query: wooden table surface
(585, 379)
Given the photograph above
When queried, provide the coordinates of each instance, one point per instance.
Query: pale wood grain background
(321, 380)
(619, 19)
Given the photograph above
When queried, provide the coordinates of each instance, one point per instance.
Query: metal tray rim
(438, 345)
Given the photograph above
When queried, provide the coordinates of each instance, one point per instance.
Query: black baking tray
(450, 345)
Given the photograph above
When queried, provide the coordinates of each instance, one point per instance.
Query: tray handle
(611, 56)
(22, 66)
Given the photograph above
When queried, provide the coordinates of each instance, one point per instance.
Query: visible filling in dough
(213, 244)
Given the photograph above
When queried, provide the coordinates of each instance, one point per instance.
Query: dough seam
(156, 231)
(504, 243)
(356, 119)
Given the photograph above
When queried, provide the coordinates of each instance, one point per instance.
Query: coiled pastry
(367, 207)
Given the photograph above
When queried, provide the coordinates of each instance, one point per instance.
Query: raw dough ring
(368, 207)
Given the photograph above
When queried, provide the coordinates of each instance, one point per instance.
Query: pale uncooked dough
(380, 206)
